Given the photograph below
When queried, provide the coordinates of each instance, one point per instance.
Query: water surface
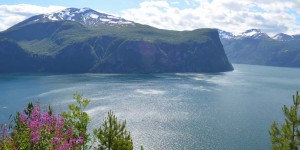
(232, 110)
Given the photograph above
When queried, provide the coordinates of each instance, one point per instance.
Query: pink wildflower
(60, 122)
(23, 117)
(80, 140)
(35, 137)
(64, 146)
(36, 113)
(69, 131)
(35, 125)
(72, 141)
(46, 119)
(55, 140)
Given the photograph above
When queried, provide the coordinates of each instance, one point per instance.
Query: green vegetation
(51, 37)
(78, 118)
(69, 47)
(288, 136)
(39, 129)
(113, 135)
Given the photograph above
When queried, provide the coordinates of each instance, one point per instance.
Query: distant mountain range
(83, 40)
(257, 34)
(256, 47)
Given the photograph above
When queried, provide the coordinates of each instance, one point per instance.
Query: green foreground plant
(113, 135)
(78, 118)
(37, 129)
(288, 136)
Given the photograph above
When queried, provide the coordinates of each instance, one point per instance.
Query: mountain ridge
(85, 16)
(260, 49)
(256, 34)
(73, 46)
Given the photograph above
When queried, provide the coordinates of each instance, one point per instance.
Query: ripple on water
(171, 111)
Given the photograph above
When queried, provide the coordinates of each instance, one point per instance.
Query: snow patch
(225, 35)
(127, 22)
(94, 16)
(249, 33)
(84, 16)
(283, 37)
(83, 10)
(252, 33)
(104, 20)
(70, 17)
(113, 17)
(53, 18)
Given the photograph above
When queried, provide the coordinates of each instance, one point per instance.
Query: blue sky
(271, 16)
(111, 6)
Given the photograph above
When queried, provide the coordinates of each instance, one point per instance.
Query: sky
(271, 16)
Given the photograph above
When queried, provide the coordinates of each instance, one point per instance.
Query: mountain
(225, 35)
(84, 16)
(251, 33)
(256, 47)
(83, 40)
(283, 37)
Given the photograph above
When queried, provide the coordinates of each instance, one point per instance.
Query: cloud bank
(12, 14)
(272, 16)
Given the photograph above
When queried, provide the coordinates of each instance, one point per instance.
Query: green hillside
(68, 46)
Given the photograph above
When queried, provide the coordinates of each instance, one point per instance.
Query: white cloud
(12, 14)
(272, 16)
(231, 15)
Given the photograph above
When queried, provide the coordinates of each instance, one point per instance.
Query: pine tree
(288, 137)
(113, 135)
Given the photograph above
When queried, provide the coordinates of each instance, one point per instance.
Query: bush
(113, 135)
(288, 137)
(78, 118)
(35, 128)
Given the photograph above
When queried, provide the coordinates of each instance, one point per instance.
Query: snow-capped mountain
(283, 37)
(255, 47)
(85, 16)
(256, 34)
(251, 33)
(225, 35)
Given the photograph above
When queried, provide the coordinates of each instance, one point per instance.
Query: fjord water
(231, 110)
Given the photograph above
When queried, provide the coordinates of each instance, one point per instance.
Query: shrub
(113, 135)
(35, 128)
(38, 129)
(78, 118)
(288, 136)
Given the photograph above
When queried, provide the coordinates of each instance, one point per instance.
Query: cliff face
(68, 47)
